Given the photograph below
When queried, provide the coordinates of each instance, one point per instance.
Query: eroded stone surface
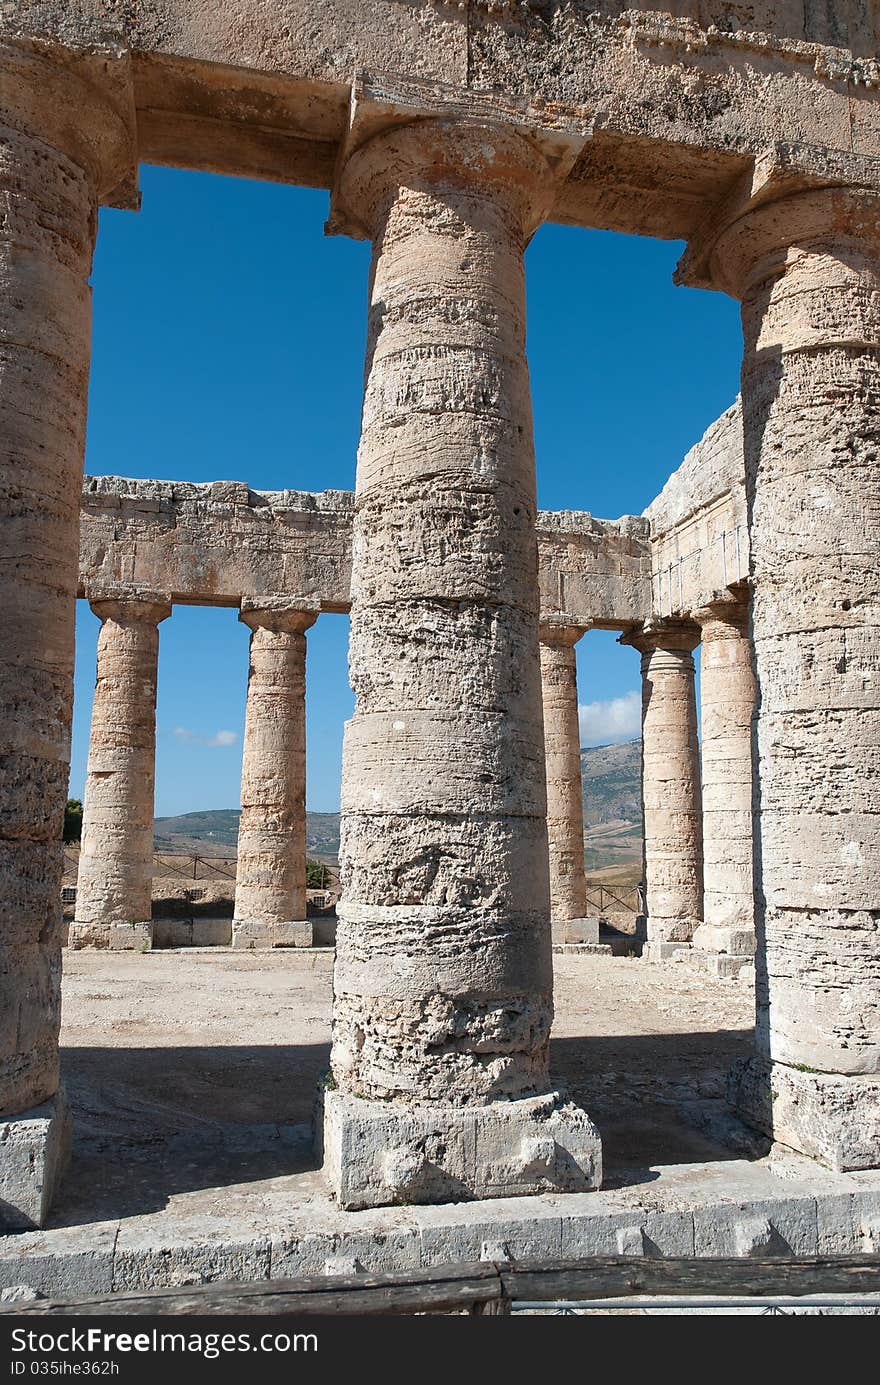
(270, 881)
(562, 750)
(114, 881)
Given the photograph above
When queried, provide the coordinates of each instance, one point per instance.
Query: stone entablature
(699, 523)
(220, 543)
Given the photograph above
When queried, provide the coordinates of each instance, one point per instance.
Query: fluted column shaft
(727, 704)
(673, 850)
(270, 882)
(562, 749)
(443, 979)
(807, 270)
(63, 145)
(114, 884)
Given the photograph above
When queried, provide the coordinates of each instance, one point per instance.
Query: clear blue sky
(228, 343)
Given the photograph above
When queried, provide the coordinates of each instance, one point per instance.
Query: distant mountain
(612, 816)
(216, 830)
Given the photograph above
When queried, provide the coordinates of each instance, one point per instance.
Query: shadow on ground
(151, 1123)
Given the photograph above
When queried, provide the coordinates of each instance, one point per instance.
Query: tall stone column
(673, 850)
(115, 879)
(565, 805)
(65, 142)
(727, 704)
(443, 982)
(807, 269)
(270, 881)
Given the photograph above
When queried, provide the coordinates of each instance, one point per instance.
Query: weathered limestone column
(727, 704)
(443, 982)
(807, 269)
(115, 879)
(565, 806)
(673, 850)
(65, 142)
(270, 881)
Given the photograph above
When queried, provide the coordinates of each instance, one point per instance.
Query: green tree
(317, 875)
(73, 820)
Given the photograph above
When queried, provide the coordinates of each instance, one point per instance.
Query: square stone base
(831, 1118)
(34, 1152)
(252, 933)
(117, 937)
(658, 951)
(581, 930)
(376, 1153)
(734, 941)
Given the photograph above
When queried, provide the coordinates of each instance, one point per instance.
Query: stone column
(115, 881)
(443, 982)
(727, 704)
(565, 805)
(270, 881)
(807, 269)
(64, 144)
(673, 850)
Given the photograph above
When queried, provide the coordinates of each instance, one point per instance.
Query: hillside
(612, 816)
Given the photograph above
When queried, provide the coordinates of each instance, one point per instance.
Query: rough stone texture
(270, 881)
(376, 1153)
(34, 1152)
(217, 544)
(562, 750)
(222, 544)
(699, 523)
(670, 782)
(54, 168)
(807, 268)
(443, 982)
(684, 94)
(114, 882)
(831, 1118)
(727, 702)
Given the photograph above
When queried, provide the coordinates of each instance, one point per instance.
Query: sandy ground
(188, 1069)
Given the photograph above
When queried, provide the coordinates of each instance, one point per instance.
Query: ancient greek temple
(446, 134)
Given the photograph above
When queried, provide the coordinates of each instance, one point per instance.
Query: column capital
(79, 103)
(782, 204)
(147, 606)
(725, 610)
(669, 635)
(277, 614)
(553, 634)
(429, 135)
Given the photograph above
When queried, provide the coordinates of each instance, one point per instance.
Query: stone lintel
(34, 1152)
(376, 1153)
(783, 170)
(257, 935)
(832, 1118)
(381, 102)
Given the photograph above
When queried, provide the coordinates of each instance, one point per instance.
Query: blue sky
(228, 343)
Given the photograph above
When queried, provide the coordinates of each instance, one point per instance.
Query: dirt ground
(189, 1069)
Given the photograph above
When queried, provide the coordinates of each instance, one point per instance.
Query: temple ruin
(446, 135)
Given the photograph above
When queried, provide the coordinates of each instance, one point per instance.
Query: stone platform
(286, 1226)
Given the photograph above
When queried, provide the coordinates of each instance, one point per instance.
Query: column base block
(34, 1153)
(117, 937)
(580, 931)
(737, 940)
(376, 1153)
(255, 934)
(656, 950)
(831, 1118)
